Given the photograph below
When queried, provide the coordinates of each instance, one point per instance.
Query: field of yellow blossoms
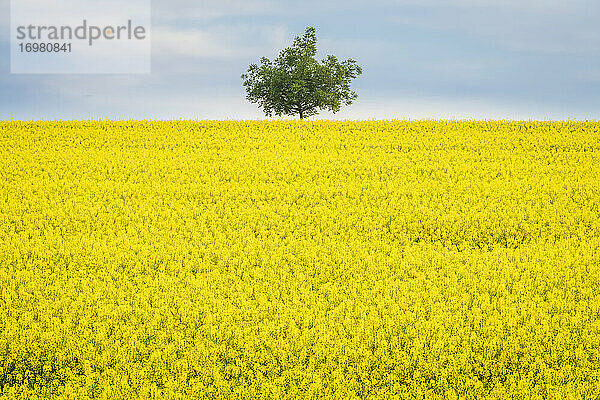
(345, 260)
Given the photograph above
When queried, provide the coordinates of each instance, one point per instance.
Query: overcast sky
(501, 59)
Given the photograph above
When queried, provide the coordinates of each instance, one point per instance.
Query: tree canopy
(295, 83)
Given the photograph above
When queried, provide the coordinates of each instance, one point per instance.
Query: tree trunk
(301, 114)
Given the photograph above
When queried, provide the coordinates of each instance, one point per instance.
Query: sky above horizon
(426, 59)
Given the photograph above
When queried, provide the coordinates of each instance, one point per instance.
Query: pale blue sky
(502, 59)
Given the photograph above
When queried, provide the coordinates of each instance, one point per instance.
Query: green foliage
(295, 83)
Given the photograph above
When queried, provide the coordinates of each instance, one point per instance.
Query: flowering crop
(417, 260)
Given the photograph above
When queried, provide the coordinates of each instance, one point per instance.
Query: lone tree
(296, 83)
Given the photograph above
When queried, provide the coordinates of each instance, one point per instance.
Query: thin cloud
(217, 43)
(422, 59)
(527, 26)
(167, 11)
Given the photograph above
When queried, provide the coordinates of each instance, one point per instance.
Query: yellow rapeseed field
(240, 260)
